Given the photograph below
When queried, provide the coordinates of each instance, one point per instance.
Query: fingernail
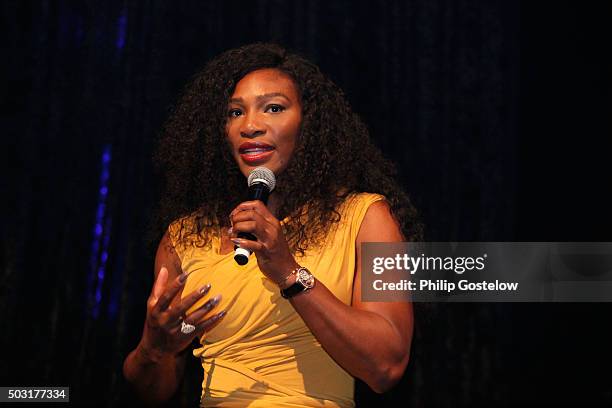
(215, 300)
(205, 288)
(236, 241)
(221, 314)
(183, 277)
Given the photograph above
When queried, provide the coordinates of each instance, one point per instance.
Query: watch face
(305, 278)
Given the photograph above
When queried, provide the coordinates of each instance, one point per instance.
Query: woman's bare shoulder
(379, 224)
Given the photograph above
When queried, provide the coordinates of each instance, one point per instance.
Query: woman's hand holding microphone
(271, 248)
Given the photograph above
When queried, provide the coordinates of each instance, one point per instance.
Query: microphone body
(257, 191)
(261, 182)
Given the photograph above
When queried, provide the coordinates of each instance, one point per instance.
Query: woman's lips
(253, 153)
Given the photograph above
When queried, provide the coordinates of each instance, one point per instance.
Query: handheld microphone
(261, 182)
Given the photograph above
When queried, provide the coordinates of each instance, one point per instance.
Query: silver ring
(187, 328)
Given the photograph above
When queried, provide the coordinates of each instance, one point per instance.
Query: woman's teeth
(255, 151)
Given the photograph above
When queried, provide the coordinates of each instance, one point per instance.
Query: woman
(259, 105)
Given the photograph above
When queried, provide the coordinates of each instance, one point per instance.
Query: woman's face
(264, 116)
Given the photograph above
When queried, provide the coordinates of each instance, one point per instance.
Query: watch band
(304, 281)
(293, 272)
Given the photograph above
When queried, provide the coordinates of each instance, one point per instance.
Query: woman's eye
(234, 113)
(275, 108)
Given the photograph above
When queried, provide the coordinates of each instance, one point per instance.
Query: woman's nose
(252, 126)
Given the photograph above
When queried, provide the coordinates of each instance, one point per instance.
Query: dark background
(496, 113)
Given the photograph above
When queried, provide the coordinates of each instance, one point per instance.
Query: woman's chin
(246, 169)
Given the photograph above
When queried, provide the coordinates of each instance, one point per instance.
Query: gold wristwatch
(304, 281)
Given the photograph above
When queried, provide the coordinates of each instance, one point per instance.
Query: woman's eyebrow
(261, 97)
(271, 95)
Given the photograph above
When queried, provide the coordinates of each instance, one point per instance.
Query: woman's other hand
(166, 312)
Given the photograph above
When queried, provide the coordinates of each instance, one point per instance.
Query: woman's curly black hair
(333, 157)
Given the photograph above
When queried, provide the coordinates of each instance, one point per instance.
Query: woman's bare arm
(157, 365)
(156, 375)
(370, 340)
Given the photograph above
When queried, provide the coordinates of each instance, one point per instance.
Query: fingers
(160, 283)
(166, 298)
(247, 215)
(190, 300)
(253, 246)
(196, 317)
(248, 226)
(202, 311)
(253, 222)
(255, 206)
(171, 319)
(248, 205)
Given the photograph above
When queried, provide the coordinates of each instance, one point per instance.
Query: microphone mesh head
(262, 175)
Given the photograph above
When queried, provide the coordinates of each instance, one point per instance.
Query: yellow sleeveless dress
(262, 354)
